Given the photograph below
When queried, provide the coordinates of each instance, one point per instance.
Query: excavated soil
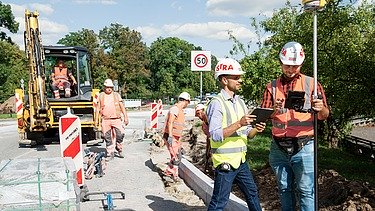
(335, 191)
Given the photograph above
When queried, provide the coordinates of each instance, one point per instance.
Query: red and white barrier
(19, 105)
(154, 115)
(71, 142)
(160, 107)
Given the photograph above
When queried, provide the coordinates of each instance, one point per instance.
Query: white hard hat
(228, 67)
(292, 54)
(199, 106)
(185, 96)
(108, 83)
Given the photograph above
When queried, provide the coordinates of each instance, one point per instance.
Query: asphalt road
(134, 175)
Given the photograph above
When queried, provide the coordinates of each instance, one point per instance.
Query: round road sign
(200, 60)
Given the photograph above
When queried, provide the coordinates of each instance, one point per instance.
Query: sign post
(201, 61)
(71, 142)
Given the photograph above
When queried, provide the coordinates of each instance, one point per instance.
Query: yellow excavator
(38, 107)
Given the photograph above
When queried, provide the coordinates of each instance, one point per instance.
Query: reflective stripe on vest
(232, 149)
(61, 74)
(116, 102)
(288, 123)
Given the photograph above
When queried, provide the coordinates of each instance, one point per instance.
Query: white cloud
(149, 32)
(106, 2)
(51, 31)
(250, 8)
(42, 8)
(210, 30)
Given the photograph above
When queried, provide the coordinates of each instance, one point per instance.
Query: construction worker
(201, 114)
(230, 128)
(113, 115)
(60, 79)
(174, 125)
(292, 149)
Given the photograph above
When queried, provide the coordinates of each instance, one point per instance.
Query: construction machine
(38, 108)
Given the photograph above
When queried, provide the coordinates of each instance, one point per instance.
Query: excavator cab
(76, 64)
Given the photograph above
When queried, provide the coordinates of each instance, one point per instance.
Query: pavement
(136, 175)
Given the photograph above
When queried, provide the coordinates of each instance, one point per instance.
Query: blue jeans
(295, 176)
(223, 186)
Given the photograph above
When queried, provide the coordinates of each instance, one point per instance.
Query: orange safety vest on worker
(288, 122)
(177, 124)
(61, 73)
(110, 113)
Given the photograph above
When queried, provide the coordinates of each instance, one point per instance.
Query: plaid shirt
(267, 101)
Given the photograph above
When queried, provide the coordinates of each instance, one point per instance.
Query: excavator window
(61, 75)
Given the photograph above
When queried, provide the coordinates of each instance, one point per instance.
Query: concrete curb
(203, 186)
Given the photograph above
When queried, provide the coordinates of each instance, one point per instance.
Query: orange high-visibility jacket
(177, 124)
(288, 122)
(116, 102)
(61, 73)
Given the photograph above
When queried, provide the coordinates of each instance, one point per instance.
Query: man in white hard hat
(230, 128)
(174, 125)
(113, 115)
(292, 148)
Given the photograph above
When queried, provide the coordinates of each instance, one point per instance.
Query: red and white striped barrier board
(19, 105)
(160, 107)
(154, 115)
(71, 142)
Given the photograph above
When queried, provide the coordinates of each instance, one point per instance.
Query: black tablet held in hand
(263, 114)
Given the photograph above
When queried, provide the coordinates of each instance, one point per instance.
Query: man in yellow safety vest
(230, 128)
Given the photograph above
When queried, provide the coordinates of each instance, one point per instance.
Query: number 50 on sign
(201, 60)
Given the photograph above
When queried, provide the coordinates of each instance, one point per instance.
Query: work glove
(170, 140)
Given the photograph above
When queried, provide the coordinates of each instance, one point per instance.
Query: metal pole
(315, 55)
(201, 89)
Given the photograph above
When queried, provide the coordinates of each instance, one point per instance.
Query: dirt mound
(9, 106)
(335, 191)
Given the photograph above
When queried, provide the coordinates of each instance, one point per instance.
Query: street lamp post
(313, 6)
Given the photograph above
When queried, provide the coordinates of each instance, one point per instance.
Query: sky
(203, 23)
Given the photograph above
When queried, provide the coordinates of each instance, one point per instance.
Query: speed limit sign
(201, 60)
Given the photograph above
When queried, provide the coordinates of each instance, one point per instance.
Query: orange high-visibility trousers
(113, 134)
(175, 156)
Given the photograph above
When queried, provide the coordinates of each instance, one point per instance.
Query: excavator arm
(36, 90)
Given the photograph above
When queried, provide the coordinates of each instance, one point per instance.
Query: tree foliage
(170, 69)
(129, 56)
(12, 69)
(345, 58)
(7, 21)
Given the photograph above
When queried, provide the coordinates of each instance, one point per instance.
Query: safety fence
(360, 146)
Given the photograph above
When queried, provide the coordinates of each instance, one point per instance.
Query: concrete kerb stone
(203, 185)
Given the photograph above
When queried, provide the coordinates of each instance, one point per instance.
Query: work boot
(110, 156)
(57, 94)
(120, 154)
(67, 92)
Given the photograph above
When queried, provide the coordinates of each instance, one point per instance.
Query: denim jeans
(295, 176)
(223, 186)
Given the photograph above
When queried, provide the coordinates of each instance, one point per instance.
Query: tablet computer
(263, 114)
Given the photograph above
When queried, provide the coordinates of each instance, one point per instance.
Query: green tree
(129, 58)
(171, 57)
(345, 58)
(12, 69)
(7, 21)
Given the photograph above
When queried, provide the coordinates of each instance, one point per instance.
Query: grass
(8, 116)
(350, 166)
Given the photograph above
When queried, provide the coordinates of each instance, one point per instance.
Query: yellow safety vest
(232, 149)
